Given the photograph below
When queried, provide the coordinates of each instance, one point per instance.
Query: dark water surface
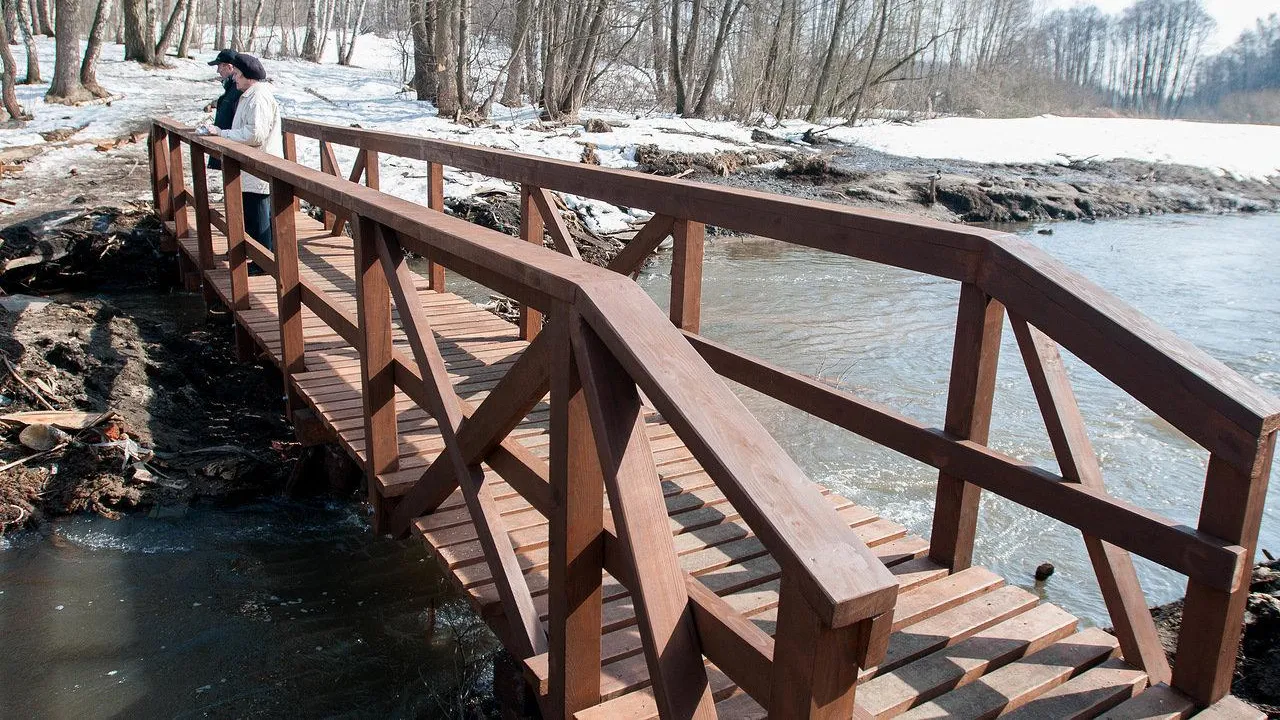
(295, 610)
(886, 334)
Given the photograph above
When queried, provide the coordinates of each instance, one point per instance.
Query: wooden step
(1158, 702)
(1086, 695)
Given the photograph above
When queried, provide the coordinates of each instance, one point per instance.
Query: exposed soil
(954, 190)
(1257, 678)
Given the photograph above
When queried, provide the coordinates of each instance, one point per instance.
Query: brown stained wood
(1113, 567)
(377, 370)
(372, 171)
(686, 274)
(1158, 702)
(971, 389)
(531, 231)
(288, 293)
(1212, 620)
(1019, 682)
(1230, 708)
(329, 166)
(733, 643)
(1084, 696)
(179, 199)
(671, 644)
(200, 188)
(893, 692)
(638, 249)
(527, 635)
(1167, 542)
(435, 201)
(237, 255)
(552, 220)
(576, 538)
(159, 155)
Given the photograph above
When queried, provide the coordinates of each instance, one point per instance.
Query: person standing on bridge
(224, 108)
(257, 124)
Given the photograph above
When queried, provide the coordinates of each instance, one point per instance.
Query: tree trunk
(677, 72)
(170, 27)
(828, 60)
(355, 33)
(424, 57)
(43, 18)
(8, 94)
(136, 46)
(658, 47)
(89, 66)
(66, 87)
(11, 22)
(729, 13)
(188, 27)
(329, 7)
(520, 36)
(463, 66)
(220, 20)
(311, 43)
(875, 53)
(253, 27)
(446, 78)
(27, 28)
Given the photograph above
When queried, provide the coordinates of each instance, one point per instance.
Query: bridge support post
(972, 387)
(686, 274)
(531, 229)
(435, 201)
(288, 290)
(1212, 620)
(160, 173)
(177, 188)
(377, 365)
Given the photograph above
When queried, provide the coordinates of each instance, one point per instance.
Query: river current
(293, 609)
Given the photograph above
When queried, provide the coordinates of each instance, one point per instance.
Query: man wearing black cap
(257, 124)
(225, 106)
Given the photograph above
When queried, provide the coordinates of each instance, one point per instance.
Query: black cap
(249, 66)
(225, 56)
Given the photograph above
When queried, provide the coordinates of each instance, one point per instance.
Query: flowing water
(294, 609)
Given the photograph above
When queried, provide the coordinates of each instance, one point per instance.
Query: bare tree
(26, 27)
(170, 28)
(66, 87)
(422, 19)
(138, 33)
(9, 108)
(311, 43)
(43, 17)
(519, 36)
(344, 56)
(89, 65)
(446, 56)
(188, 28)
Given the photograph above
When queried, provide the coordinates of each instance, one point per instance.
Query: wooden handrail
(835, 593)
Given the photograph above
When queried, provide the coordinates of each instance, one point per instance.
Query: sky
(1233, 16)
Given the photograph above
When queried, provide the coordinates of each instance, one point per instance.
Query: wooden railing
(832, 599)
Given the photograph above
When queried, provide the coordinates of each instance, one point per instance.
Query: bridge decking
(963, 644)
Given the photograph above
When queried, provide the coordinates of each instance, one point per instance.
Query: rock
(41, 437)
(1044, 571)
(596, 125)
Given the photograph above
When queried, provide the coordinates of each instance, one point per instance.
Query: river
(293, 608)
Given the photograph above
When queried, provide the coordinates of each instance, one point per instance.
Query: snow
(373, 95)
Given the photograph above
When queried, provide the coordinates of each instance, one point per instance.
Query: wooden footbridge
(632, 533)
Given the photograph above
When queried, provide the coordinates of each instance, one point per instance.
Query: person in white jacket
(257, 124)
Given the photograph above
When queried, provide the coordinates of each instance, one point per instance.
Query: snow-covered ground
(373, 96)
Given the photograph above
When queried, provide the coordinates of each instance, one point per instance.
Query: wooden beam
(672, 650)
(552, 220)
(177, 188)
(435, 201)
(531, 230)
(237, 254)
(686, 274)
(971, 389)
(288, 292)
(377, 371)
(159, 155)
(576, 542)
(632, 257)
(200, 189)
(1117, 577)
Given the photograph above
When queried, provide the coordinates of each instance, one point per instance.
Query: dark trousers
(257, 218)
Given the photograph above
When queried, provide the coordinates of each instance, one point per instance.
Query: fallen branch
(29, 458)
(34, 393)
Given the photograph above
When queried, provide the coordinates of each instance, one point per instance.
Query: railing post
(531, 229)
(377, 366)
(372, 174)
(329, 165)
(237, 255)
(160, 172)
(576, 553)
(815, 668)
(288, 290)
(435, 201)
(686, 274)
(177, 187)
(200, 194)
(979, 322)
(290, 150)
(1212, 620)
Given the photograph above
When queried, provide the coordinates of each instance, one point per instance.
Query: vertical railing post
(979, 322)
(290, 150)
(237, 254)
(435, 201)
(686, 274)
(288, 289)
(372, 173)
(329, 165)
(177, 187)
(377, 365)
(1212, 620)
(576, 554)
(531, 229)
(815, 667)
(200, 195)
(160, 172)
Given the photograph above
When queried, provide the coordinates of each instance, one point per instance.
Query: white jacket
(257, 123)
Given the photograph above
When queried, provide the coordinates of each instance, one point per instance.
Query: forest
(758, 61)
